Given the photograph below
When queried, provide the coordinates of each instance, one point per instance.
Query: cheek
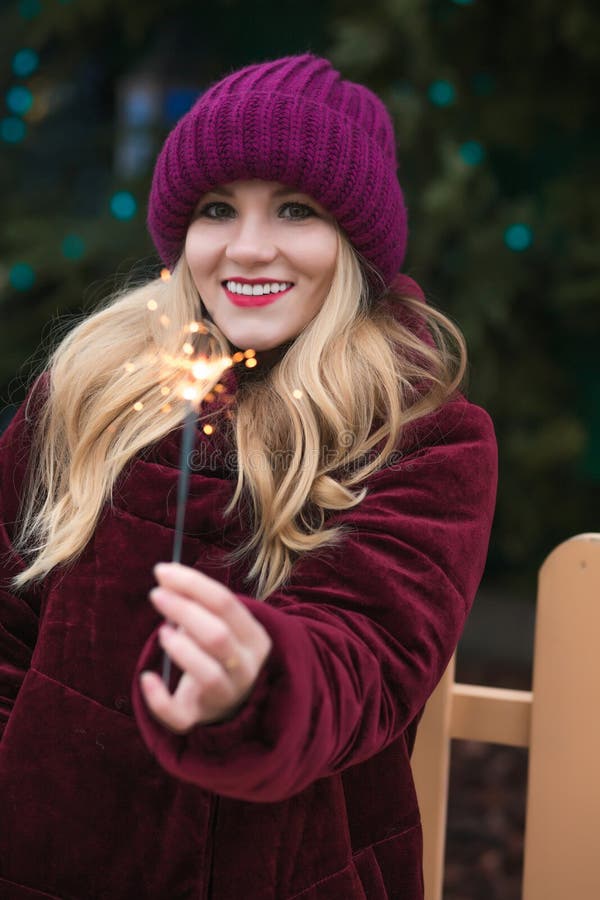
(322, 254)
(199, 254)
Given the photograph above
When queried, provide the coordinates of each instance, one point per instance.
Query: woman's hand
(216, 642)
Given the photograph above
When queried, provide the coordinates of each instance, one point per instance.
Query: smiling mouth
(257, 299)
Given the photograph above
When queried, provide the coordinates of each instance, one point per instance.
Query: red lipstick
(253, 299)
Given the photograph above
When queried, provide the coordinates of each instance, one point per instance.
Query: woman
(341, 500)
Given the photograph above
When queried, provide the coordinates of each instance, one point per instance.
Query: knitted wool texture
(294, 120)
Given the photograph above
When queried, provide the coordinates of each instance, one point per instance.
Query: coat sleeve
(18, 612)
(363, 633)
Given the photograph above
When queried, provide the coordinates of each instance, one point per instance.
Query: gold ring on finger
(231, 663)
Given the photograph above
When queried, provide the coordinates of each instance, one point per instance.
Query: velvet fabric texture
(307, 792)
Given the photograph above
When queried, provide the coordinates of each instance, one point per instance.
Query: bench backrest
(559, 721)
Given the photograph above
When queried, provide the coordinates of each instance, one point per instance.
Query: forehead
(257, 188)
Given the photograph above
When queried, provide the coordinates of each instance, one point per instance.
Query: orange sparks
(207, 429)
(237, 357)
(249, 353)
(251, 362)
(194, 374)
(165, 274)
(152, 304)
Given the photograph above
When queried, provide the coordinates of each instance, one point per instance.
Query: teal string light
(21, 276)
(19, 99)
(518, 236)
(29, 9)
(472, 152)
(12, 130)
(441, 93)
(72, 247)
(123, 205)
(25, 62)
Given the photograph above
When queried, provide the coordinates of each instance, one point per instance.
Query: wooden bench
(559, 721)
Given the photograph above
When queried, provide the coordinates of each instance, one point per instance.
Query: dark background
(496, 112)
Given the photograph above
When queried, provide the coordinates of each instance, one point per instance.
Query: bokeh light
(12, 130)
(21, 276)
(472, 152)
(518, 236)
(25, 62)
(73, 247)
(441, 93)
(123, 205)
(29, 9)
(178, 100)
(19, 99)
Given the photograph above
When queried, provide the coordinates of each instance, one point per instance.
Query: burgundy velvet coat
(307, 792)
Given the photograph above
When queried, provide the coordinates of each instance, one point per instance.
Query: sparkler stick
(201, 370)
(187, 443)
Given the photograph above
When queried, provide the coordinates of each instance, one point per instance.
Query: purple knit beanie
(297, 121)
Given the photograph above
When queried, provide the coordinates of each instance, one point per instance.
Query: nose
(252, 242)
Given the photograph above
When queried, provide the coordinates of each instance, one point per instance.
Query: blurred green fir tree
(496, 111)
(497, 127)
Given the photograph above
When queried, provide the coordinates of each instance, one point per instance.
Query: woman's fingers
(177, 714)
(215, 682)
(217, 643)
(205, 693)
(213, 595)
(209, 632)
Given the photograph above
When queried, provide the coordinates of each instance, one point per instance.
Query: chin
(260, 343)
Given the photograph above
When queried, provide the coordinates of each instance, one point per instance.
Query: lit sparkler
(201, 374)
(196, 379)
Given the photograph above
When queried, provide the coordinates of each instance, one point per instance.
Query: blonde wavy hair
(364, 373)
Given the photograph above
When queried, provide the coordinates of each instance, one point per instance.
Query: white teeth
(258, 289)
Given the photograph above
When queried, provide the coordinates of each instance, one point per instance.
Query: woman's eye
(215, 210)
(298, 210)
(220, 210)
